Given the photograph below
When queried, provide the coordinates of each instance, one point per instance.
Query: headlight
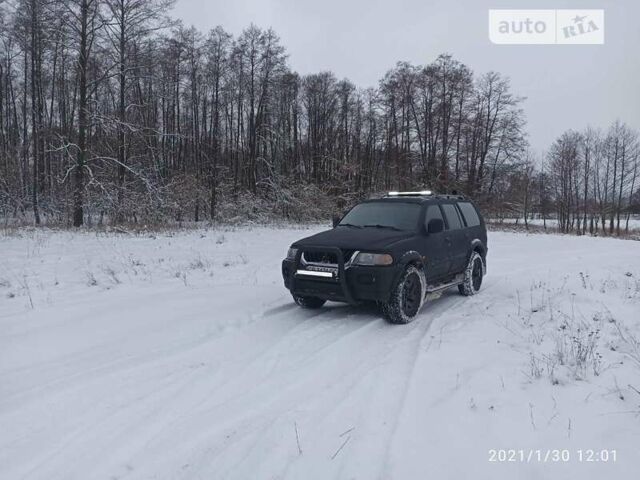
(373, 259)
(291, 253)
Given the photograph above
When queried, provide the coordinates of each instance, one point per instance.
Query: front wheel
(308, 302)
(407, 298)
(472, 276)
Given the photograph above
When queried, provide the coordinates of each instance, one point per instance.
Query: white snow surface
(634, 222)
(182, 356)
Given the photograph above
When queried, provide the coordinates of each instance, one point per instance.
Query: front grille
(329, 258)
(321, 257)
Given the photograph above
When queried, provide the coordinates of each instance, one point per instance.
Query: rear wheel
(407, 298)
(308, 302)
(472, 276)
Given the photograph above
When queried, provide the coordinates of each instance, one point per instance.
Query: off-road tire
(309, 302)
(407, 298)
(473, 274)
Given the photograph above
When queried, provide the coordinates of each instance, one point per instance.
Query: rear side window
(433, 211)
(453, 219)
(469, 213)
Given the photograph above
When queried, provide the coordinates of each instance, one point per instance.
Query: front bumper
(346, 283)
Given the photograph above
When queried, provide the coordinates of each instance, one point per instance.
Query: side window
(469, 213)
(433, 211)
(453, 219)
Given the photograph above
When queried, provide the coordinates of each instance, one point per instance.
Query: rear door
(455, 237)
(475, 229)
(436, 249)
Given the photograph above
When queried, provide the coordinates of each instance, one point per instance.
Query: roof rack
(454, 196)
(410, 194)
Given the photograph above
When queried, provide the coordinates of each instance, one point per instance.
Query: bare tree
(106, 113)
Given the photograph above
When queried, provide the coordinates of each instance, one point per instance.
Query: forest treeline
(112, 112)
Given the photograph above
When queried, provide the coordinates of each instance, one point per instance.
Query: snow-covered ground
(634, 222)
(182, 356)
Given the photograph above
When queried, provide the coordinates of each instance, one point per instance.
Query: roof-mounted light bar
(408, 194)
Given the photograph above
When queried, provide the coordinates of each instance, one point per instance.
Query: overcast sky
(567, 86)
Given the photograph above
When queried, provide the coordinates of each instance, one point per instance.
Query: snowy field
(182, 356)
(634, 222)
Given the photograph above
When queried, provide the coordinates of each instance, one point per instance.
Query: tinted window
(397, 215)
(453, 220)
(433, 211)
(469, 213)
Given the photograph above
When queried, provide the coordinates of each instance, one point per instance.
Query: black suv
(395, 250)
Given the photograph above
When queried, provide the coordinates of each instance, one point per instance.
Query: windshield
(400, 216)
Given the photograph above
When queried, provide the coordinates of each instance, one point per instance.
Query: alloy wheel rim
(411, 295)
(476, 274)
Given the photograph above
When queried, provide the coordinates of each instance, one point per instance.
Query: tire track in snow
(415, 351)
(153, 396)
(357, 375)
(106, 366)
(277, 397)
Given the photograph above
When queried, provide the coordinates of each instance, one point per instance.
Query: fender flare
(409, 257)
(476, 244)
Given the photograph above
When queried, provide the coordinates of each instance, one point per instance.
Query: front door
(455, 238)
(435, 248)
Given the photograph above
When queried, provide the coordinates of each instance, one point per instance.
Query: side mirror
(335, 220)
(435, 225)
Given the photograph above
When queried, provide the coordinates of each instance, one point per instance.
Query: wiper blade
(349, 225)
(385, 226)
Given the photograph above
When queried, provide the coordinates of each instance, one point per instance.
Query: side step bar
(443, 286)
